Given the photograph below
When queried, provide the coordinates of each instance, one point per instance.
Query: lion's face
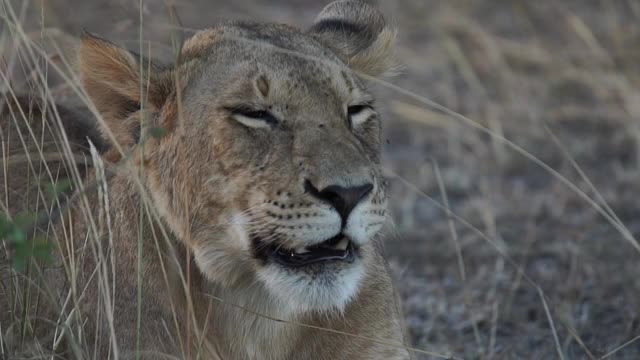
(290, 184)
(270, 171)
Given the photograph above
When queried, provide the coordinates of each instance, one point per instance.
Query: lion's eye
(358, 114)
(254, 118)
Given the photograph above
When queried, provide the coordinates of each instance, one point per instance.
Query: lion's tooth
(342, 244)
(301, 250)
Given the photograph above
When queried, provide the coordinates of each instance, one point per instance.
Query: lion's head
(268, 170)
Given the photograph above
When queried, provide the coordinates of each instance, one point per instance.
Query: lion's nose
(343, 199)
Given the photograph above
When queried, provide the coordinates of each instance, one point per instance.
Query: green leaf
(24, 252)
(157, 132)
(54, 190)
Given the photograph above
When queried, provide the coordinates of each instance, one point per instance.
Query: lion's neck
(247, 323)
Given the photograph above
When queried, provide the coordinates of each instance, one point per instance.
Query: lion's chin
(322, 287)
(322, 277)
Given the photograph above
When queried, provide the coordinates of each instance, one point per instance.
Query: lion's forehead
(246, 40)
(299, 69)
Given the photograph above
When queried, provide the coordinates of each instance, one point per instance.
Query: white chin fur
(299, 293)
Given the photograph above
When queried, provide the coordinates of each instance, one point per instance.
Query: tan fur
(213, 183)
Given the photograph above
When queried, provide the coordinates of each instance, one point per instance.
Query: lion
(233, 204)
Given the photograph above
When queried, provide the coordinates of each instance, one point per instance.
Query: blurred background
(515, 210)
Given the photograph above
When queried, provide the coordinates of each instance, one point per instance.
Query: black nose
(343, 199)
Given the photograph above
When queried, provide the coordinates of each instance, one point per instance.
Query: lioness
(258, 201)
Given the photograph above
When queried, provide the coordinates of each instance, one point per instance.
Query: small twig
(620, 347)
(456, 242)
(553, 327)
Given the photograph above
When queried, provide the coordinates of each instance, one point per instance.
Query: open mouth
(338, 248)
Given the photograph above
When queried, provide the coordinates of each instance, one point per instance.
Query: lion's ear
(112, 78)
(359, 34)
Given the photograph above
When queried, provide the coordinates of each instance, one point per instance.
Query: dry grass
(513, 146)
